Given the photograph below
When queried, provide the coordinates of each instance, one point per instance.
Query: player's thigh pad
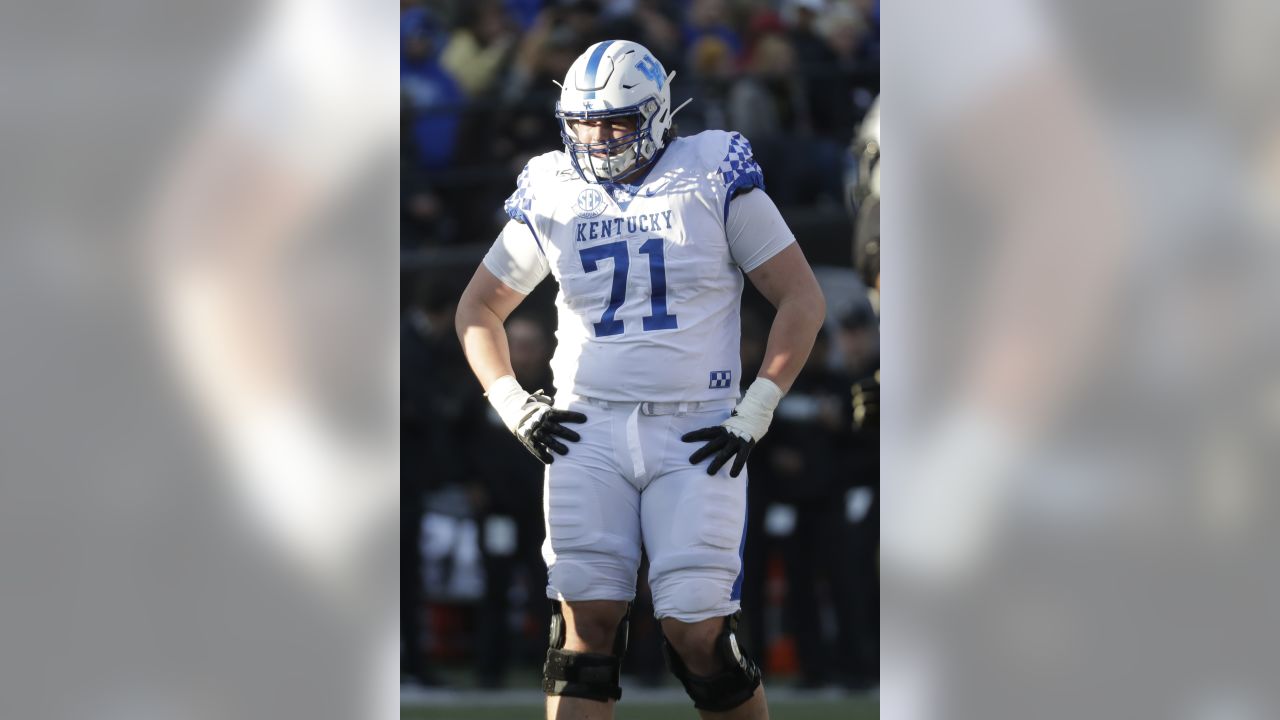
(693, 530)
(592, 547)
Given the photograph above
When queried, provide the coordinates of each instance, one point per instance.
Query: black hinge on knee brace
(727, 689)
(592, 676)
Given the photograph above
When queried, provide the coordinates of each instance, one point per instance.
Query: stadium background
(795, 77)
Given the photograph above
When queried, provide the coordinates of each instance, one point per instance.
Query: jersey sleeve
(520, 204)
(755, 230)
(516, 259)
(738, 169)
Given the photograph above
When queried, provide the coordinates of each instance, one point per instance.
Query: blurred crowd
(796, 77)
(478, 90)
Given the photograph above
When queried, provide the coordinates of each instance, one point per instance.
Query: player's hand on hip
(737, 436)
(540, 430)
(530, 417)
(724, 445)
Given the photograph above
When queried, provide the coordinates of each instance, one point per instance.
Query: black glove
(737, 435)
(724, 444)
(540, 426)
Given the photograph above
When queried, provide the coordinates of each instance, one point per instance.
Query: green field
(849, 709)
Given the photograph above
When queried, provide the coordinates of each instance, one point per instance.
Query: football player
(648, 236)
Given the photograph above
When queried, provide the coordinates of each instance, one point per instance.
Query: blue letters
(610, 227)
(649, 67)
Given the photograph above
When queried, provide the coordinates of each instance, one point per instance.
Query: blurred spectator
(524, 12)
(869, 47)
(768, 99)
(711, 59)
(429, 367)
(507, 495)
(711, 67)
(650, 24)
(859, 340)
(803, 509)
(812, 50)
(548, 49)
(423, 214)
(582, 20)
(710, 18)
(480, 48)
(857, 588)
(845, 29)
(431, 94)
(830, 86)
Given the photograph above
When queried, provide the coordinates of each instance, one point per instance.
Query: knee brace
(727, 689)
(592, 676)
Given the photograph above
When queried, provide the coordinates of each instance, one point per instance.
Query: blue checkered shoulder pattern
(521, 201)
(739, 169)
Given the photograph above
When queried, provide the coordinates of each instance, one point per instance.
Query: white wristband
(754, 413)
(508, 398)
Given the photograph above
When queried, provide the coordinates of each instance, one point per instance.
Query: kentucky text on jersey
(648, 222)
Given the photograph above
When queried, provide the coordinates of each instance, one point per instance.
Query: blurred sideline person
(813, 467)
(857, 589)
(648, 236)
(507, 493)
(428, 422)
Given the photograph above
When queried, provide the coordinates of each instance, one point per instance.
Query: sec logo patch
(590, 203)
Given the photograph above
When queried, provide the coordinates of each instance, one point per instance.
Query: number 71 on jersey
(659, 318)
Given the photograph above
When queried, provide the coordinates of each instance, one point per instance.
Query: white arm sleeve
(756, 230)
(516, 258)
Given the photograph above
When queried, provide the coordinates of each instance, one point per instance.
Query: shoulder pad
(540, 169)
(738, 167)
(729, 155)
(709, 145)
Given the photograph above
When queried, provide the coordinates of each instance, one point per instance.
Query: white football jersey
(650, 274)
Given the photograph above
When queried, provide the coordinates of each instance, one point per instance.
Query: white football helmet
(616, 79)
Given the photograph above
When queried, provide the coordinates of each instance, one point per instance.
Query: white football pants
(629, 482)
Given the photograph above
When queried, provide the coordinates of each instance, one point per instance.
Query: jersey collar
(624, 193)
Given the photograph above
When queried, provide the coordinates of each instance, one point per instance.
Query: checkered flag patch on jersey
(720, 378)
(521, 201)
(739, 168)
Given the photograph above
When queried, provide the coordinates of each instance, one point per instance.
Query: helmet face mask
(613, 80)
(609, 159)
